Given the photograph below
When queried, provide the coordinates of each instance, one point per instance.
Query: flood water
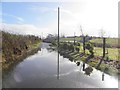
(42, 70)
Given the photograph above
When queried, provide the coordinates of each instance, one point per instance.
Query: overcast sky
(41, 17)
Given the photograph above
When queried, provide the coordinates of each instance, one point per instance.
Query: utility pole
(58, 28)
(58, 44)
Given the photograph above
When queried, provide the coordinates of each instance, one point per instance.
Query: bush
(77, 49)
(89, 46)
(71, 47)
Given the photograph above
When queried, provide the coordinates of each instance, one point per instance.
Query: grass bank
(68, 50)
(15, 48)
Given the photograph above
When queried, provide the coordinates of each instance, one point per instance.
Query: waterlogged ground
(42, 70)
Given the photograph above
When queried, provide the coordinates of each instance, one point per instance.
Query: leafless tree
(102, 33)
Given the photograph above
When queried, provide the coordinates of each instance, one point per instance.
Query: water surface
(41, 71)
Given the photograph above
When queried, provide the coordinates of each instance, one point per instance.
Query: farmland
(113, 52)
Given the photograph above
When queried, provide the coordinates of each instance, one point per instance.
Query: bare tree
(81, 30)
(102, 33)
(83, 39)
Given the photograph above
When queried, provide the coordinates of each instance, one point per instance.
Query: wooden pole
(104, 47)
(84, 44)
(104, 41)
(74, 38)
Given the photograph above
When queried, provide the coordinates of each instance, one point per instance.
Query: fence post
(84, 44)
(74, 38)
(104, 41)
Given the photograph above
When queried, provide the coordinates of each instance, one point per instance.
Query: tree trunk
(104, 40)
(84, 44)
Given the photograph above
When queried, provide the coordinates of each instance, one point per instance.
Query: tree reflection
(88, 70)
(83, 66)
(78, 63)
(103, 76)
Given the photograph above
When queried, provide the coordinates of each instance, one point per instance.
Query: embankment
(15, 48)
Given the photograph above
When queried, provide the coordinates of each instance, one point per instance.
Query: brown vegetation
(15, 46)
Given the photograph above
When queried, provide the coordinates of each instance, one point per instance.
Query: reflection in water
(50, 49)
(42, 69)
(78, 63)
(58, 67)
(17, 62)
(83, 66)
(88, 70)
(105, 70)
(103, 76)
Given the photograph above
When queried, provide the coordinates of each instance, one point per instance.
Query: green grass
(35, 45)
(110, 41)
(112, 52)
(70, 39)
(98, 51)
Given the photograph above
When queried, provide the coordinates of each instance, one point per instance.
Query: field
(70, 39)
(112, 50)
(110, 41)
(113, 53)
